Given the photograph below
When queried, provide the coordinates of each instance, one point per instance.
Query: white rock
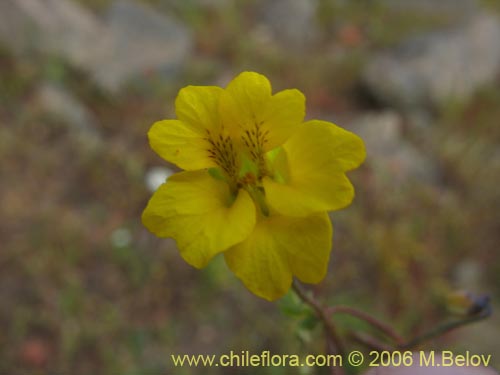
(121, 237)
(156, 176)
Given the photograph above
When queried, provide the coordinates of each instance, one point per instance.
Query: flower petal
(309, 260)
(179, 144)
(282, 117)
(317, 154)
(245, 97)
(278, 247)
(197, 106)
(347, 149)
(200, 214)
(248, 106)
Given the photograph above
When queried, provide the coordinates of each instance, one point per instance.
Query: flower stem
(385, 328)
(399, 342)
(446, 327)
(321, 313)
(371, 342)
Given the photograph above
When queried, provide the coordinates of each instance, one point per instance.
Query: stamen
(221, 150)
(254, 140)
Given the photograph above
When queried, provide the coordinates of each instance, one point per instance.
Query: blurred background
(85, 289)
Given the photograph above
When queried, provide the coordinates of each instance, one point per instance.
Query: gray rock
(139, 40)
(217, 4)
(131, 40)
(468, 275)
(61, 103)
(58, 27)
(121, 237)
(394, 160)
(451, 9)
(292, 23)
(430, 70)
(56, 100)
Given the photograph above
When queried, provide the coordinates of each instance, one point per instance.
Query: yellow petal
(248, 106)
(278, 247)
(197, 107)
(347, 149)
(200, 214)
(283, 115)
(309, 258)
(177, 143)
(317, 154)
(245, 97)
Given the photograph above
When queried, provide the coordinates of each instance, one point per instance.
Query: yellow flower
(257, 185)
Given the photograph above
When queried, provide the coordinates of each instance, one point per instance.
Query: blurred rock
(395, 161)
(455, 9)
(61, 102)
(132, 39)
(140, 40)
(436, 67)
(194, 5)
(58, 27)
(218, 4)
(121, 237)
(292, 23)
(156, 176)
(468, 275)
(381, 132)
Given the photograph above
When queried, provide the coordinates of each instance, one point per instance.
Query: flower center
(242, 164)
(222, 151)
(254, 140)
